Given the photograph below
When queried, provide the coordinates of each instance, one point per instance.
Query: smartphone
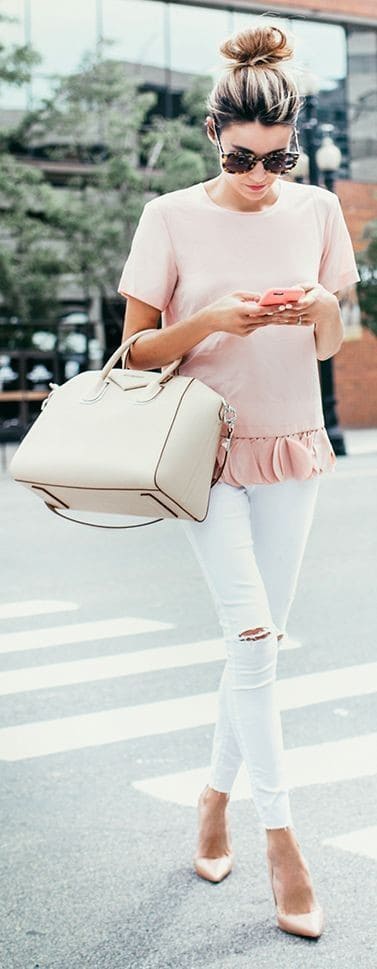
(272, 296)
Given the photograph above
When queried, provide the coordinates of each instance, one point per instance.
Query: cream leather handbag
(124, 441)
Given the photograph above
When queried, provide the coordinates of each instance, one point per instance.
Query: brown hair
(254, 85)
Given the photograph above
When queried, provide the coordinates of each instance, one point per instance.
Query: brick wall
(359, 8)
(355, 375)
(359, 204)
(355, 364)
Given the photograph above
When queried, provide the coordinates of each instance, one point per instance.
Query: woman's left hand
(315, 306)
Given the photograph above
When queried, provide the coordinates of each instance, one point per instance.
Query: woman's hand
(237, 313)
(318, 305)
(240, 313)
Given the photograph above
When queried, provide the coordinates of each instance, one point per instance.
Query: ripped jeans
(250, 548)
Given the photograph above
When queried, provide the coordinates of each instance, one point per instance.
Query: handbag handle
(153, 388)
(125, 346)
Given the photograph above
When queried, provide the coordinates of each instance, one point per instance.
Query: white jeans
(250, 548)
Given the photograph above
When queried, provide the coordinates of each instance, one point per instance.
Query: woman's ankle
(281, 841)
(280, 834)
(211, 793)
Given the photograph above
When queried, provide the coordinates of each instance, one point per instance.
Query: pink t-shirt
(188, 251)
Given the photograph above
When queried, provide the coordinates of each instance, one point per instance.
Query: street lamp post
(309, 86)
(325, 160)
(328, 159)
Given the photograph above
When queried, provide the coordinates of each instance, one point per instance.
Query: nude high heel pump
(308, 924)
(213, 869)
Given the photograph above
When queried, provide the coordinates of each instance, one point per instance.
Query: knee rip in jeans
(261, 632)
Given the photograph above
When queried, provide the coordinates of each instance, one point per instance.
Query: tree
(29, 264)
(367, 287)
(17, 61)
(92, 117)
(30, 261)
(97, 118)
(185, 153)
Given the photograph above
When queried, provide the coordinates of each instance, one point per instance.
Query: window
(241, 20)
(322, 49)
(12, 97)
(195, 35)
(136, 28)
(12, 33)
(62, 32)
(362, 95)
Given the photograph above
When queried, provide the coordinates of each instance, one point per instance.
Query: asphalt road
(110, 659)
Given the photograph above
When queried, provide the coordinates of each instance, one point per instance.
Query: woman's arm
(321, 308)
(329, 329)
(238, 313)
(168, 344)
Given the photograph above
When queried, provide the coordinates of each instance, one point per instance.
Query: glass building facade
(166, 44)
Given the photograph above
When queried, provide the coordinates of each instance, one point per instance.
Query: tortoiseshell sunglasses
(279, 162)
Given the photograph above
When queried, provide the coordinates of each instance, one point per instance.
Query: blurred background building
(164, 46)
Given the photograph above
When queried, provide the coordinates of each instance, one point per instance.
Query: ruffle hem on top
(265, 460)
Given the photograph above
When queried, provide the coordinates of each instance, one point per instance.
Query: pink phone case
(273, 296)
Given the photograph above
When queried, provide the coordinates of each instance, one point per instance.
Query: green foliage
(16, 62)
(30, 263)
(96, 118)
(98, 107)
(84, 229)
(30, 266)
(185, 153)
(367, 287)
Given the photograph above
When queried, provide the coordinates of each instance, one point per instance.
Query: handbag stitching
(40, 488)
(158, 488)
(99, 488)
(56, 484)
(148, 494)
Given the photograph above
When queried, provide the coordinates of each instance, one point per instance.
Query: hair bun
(257, 46)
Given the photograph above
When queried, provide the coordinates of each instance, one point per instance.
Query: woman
(202, 256)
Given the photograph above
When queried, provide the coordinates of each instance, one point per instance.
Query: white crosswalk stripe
(34, 607)
(120, 664)
(324, 763)
(360, 842)
(81, 632)
(124, 723)
(106, 727)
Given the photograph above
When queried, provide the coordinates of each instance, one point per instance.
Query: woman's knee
(261, 632)
(253, 657)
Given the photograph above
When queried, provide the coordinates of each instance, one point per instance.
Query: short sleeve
(338, 267)
(150, 272)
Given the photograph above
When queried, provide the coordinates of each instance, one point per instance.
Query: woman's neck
(220, 193)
